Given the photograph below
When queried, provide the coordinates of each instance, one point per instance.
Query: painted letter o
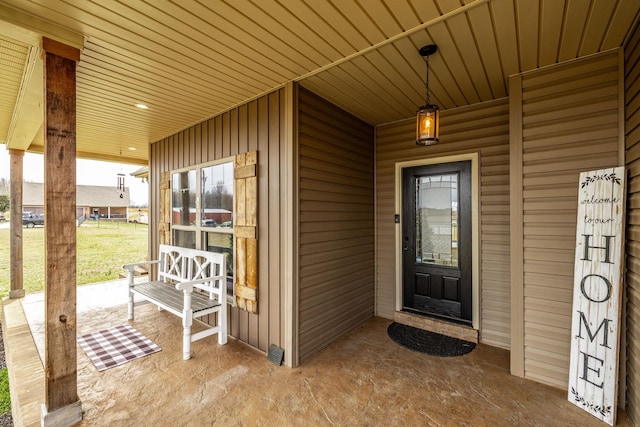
(587, 296)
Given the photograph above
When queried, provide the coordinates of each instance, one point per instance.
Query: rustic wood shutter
(246, 231)
(164, 223)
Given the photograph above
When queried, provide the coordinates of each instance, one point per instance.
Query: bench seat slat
(169, 295)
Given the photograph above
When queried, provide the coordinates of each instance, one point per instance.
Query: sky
(88, 172)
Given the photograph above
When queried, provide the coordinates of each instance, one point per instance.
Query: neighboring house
(142, 174)
(92, 201)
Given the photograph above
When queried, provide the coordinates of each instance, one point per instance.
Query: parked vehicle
(32, 221)
(2, 218)
(139, 218)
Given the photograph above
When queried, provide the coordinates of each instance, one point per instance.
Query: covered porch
(313, 106)
(363, 378)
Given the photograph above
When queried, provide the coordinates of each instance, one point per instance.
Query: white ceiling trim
(28, 114)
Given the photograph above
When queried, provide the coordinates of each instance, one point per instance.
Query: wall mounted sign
(597, 293)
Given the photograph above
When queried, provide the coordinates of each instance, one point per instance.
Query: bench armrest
(182, 286)
(131, 266)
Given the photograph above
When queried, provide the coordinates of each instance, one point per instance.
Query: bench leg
(222, 323)
(130, 304)
(187, 320)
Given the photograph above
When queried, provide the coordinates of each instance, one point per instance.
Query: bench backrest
(184, 265)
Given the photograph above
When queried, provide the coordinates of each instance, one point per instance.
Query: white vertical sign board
(597, 293)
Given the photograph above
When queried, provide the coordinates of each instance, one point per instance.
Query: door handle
(406, 240)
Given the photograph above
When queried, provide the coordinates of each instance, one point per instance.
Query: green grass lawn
(5, 398)
(102, 248)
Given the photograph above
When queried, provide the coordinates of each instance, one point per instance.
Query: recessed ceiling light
(144, 107)
(132, 148)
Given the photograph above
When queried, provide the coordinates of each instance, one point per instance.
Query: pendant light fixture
(428, 116)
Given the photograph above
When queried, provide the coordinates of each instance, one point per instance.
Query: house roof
(86, 195)
(142, 173)
(191, 60)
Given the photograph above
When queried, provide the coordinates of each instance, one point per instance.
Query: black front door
(436, 240)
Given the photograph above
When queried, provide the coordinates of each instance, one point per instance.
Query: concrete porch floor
(361, 379)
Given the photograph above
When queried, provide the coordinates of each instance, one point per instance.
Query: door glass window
(437, 219)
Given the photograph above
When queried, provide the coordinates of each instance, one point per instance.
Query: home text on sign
(597, 293)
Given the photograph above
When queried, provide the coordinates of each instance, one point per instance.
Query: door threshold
(450, 329)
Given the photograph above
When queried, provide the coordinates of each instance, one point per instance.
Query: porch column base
(16, 293)
(63, 417)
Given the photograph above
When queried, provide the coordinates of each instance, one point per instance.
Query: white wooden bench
(191, 284)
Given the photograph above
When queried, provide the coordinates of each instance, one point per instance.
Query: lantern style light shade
(428, 125)
(428, 116)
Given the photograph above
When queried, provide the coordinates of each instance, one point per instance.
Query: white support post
(130, 287)
(187, 320)
(222, 314)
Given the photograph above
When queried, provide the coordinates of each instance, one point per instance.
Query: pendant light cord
(427, 82)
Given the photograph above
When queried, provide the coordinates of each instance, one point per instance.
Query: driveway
(4, 225)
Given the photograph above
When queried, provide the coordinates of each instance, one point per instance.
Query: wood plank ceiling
(189, 60)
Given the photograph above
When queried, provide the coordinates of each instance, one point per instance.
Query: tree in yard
(4, 203)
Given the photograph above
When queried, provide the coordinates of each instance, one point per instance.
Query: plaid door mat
(115, 346)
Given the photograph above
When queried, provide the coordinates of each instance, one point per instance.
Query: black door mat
(428, 342)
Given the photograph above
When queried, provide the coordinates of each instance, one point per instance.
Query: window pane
(184, 198)
(437, 219)
(184, 238)
(221, 243)
(217, 195)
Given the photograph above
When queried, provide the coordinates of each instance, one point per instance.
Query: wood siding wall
(570, 123)
(482, 128)
(632, 134)
(336, 210)
(257, 125)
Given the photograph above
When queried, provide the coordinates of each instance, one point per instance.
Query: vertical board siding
(482, 128)
(632, 136)
(256, 125)
(569, 124)
(336, 207)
